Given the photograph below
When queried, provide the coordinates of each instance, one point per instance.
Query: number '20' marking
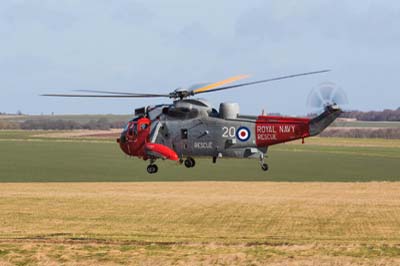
(228, 132)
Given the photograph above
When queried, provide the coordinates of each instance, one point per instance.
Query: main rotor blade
(107, 95)
(261, 81)
(219, 83)
(124, 93)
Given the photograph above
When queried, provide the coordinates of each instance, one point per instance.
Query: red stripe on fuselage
(270, 130)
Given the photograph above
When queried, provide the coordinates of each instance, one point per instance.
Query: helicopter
(189, 127)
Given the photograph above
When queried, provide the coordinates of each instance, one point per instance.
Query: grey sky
(155, 46)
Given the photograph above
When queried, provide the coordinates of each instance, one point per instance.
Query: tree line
(59, 124)
(381, 133)
(385, 115)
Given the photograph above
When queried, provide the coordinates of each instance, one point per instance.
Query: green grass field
(30, 157)
(59, 205)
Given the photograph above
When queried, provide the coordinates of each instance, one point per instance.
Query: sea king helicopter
(188, 128)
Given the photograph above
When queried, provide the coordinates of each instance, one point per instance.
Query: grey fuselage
(191, 127)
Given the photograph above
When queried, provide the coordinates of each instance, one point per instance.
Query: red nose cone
(162, 151)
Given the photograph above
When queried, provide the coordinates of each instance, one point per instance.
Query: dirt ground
(112, 133)
(200, 223)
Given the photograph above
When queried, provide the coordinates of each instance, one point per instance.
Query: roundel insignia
(243, 133)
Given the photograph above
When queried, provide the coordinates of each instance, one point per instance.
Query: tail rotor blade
(340, 97)
(326, 94)
(314, 100)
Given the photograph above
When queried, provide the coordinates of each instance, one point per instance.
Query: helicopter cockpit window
(214, 113)
(144, 126)
(182, 113)
(126, 128)
(130, 131)
(136, 118)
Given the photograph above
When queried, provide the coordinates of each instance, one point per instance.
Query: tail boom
(271, 130)
(319, 123)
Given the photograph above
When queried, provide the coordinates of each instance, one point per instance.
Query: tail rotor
(325, 95)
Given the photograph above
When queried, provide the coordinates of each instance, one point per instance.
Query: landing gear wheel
(190, 162)
(193, 161)
(152, 169)
(155, 168)
(264, 167)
